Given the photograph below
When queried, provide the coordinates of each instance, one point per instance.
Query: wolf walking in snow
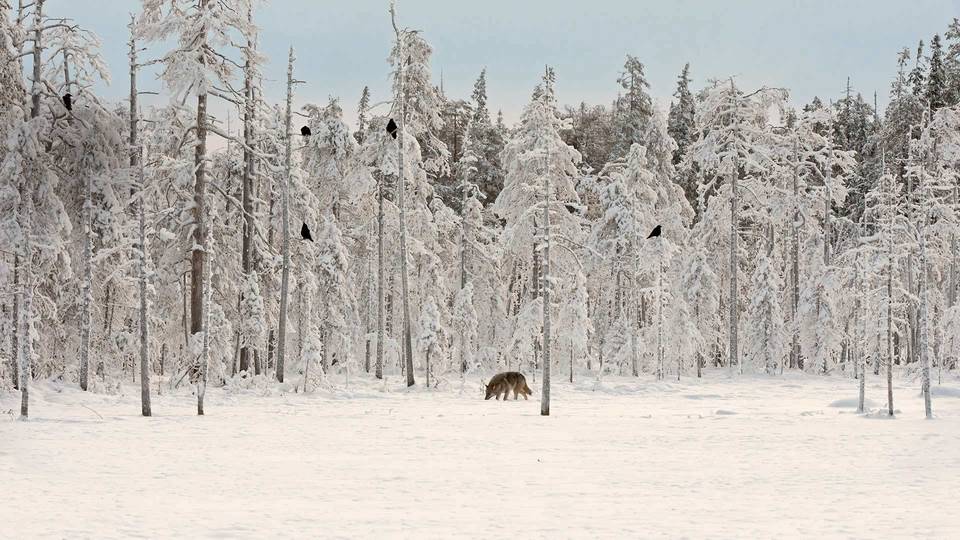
(503, 383)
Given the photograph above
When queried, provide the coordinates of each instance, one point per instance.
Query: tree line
(435, 240)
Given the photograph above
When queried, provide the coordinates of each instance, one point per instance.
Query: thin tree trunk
(86, 291)
(660, 351)
(401, 188)
(144, 314)
(890, 218)
(734, 302)
(136, 161)
(198, 256)
(368, 320)
(862, 332)
(795, 263)
(205, 354)
(463, 277)
(15, 320)
(248, 174)
(545, 265)
(924, 306)
(26, 313)
(285, 220)
(381, 283)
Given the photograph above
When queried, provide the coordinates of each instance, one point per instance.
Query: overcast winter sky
(808, 46)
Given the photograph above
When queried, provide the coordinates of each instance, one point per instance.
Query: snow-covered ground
(740, 457)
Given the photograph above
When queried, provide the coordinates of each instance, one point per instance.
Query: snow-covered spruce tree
(337, 299)
(327, 159)
(682, 117)
(465, 323)
(539, 184)
(574, 323)
(765, 335)
(700, 287)
(480, 162)
(735, 141)
(363, 110)
(432, 335)
(633, 109)
(681, 125)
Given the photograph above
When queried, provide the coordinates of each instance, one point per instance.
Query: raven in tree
(305, 131)
(68, 101)
(392, 128)
(655, 233)
(305, 233)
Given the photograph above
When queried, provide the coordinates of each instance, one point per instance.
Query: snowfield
(724, 457)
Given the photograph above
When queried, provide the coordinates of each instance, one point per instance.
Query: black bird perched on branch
(305, 233)
(392, 128)
(305, 131)
(655, 233)
(68, 101)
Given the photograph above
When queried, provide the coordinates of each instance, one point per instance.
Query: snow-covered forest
(432, 242)
(743, 309)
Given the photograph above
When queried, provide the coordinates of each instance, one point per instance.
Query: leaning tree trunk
(285, 223)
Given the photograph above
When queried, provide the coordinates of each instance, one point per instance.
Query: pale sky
(807, 46)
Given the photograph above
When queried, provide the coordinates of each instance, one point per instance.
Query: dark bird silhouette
(305, 131)
(68, 102)
(305, 233)
(572, 208)
(655, 233)
(392, 128)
